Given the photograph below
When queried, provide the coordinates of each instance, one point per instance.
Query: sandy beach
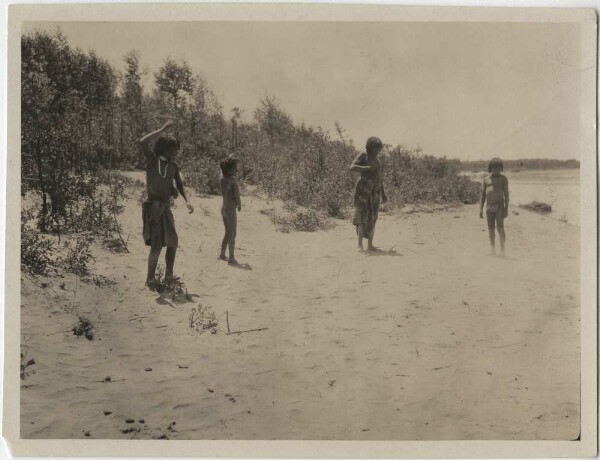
(431, 339)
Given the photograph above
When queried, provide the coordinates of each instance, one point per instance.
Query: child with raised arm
(231, 204)
(495, 192)
(158, 222)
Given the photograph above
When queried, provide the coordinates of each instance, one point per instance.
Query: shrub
(203, 318)
(25, 365)
(78, 255)
(298, 218)
(83, 327)
(36, 249)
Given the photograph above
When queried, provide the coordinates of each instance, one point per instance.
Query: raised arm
(356, 167)
(147, 141)
(482, 199)
(181, 189)
(505, 197)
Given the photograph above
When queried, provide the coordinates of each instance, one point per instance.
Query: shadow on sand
(179, 298)
(381, 252)
(241, 266)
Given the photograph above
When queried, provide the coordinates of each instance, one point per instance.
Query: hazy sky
(468, 91)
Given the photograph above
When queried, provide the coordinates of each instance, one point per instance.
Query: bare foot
(233, 261)
(373, 248)
(153, 284)
(222, 257)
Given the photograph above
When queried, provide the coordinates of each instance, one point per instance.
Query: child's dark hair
(373, 143)
(495, 162)
(165, 143)
(228, 165)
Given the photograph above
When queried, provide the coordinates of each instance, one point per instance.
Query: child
(369, 192)
(231, 202)
(158, 223)
(495, 191)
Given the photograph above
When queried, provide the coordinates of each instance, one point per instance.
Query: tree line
(82, 119)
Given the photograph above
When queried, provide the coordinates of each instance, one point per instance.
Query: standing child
(158, 222)
(231, 202)
(369, 192)
(495, 192)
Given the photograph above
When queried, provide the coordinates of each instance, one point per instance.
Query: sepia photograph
(307, 230)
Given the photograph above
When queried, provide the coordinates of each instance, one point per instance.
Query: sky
(461, 90)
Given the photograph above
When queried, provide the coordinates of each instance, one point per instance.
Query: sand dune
(433, 340)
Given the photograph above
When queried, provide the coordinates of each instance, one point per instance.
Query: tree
(273, 121)
(132, 123)
(68, 99)
(173, 78)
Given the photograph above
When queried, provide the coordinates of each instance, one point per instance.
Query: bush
(203, 174)
(78, 255)
(414, 178)
(299, 219)
(25, 365)
(203, 318)
(36, 249)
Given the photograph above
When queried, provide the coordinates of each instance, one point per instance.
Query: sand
(433, 341)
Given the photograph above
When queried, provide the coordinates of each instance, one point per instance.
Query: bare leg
(231, 233)
(370, 246)
(170, 262)
(225, 241)
(502, 235)
(360, 231)
(152, 263)
(491, 220)
(232, 251)
(492, 233)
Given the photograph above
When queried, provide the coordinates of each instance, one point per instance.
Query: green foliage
(81, 119)
(36, 249)
(78, 255)
(174, 78)
(411, 177)
(67, 134)
(294, 217)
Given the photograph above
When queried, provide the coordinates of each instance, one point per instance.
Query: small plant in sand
(25, 365)
(102, 281)
(78, 255)
(203, 318)
(84, 327)
(172, 285)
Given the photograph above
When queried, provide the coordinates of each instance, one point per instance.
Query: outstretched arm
(181, 189)
(505, 197)
(148, 139)
(482, 199)
(356, 167)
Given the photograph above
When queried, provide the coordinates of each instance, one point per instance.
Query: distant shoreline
(531, 164)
